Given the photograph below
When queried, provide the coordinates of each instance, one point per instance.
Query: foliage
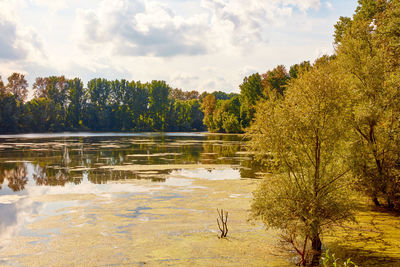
(223, 115)
(297, 69)
(275, 80)
(2, 87)
(62, 104)
(331, 260)
(250, 93)
(17, 85)
(368, 56)
(304, 135)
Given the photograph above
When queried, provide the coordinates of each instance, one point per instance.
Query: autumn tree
(302, 138)
(18, 86)
(40, 87)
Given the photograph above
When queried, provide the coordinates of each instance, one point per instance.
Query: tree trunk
(316, 245)
(376, 201)
(390, 203)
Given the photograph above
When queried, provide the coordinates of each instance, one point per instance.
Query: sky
(203, 45)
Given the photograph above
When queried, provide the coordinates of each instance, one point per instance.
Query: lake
(144, 199)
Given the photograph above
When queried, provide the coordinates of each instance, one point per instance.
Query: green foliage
(9, 111)
(297, 69)
(368, 57)
(275, 80)
(250, 92)
(340, 28)
(222, 116)
(158, 104)
(223, 96)
(62, 104)
(329, 260)
(301, 137)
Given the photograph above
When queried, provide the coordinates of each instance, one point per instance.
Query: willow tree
(368, 54)
(302, 140)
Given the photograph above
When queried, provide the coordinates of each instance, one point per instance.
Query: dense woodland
(61, 104)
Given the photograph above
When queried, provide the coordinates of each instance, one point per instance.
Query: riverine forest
(300, 167)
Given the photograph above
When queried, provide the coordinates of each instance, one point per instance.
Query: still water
(69, 160)
(45, 176)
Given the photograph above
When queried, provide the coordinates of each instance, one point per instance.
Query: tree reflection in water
(55, 162)
(16, 177)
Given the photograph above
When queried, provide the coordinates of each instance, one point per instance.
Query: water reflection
(14, 175)
(45, 161)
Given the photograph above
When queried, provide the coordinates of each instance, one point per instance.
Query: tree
(208, 107)
(296, 69)
(138, 101)
(77, 102)
(369, 60)
(38, 115)
(250, 93)
(275, 80)
(196, 115)
(158, 104)
(302, 140)
(2, 87)
(98, 110)
(340, 28)
(17, 85)
(40, 87)
(9, 113)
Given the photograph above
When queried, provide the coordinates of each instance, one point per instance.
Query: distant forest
(62, 104)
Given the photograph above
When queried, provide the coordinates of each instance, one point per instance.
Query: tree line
(334, 131)
(235, 114)
(61, 104)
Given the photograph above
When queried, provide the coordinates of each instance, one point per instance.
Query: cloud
(10, 49)
(243, 23)
(53, 5)
(184, 80)
(141, 28)
(150, 28)
(16, 41)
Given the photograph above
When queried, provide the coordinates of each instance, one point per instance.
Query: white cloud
(140, 28)
(184, 80)
(53, 5)
(149, 28)
(17, 42)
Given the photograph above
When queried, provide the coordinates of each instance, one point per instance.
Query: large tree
(368, 53)
(302, 139)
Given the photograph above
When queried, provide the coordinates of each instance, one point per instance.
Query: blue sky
(202, 45)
